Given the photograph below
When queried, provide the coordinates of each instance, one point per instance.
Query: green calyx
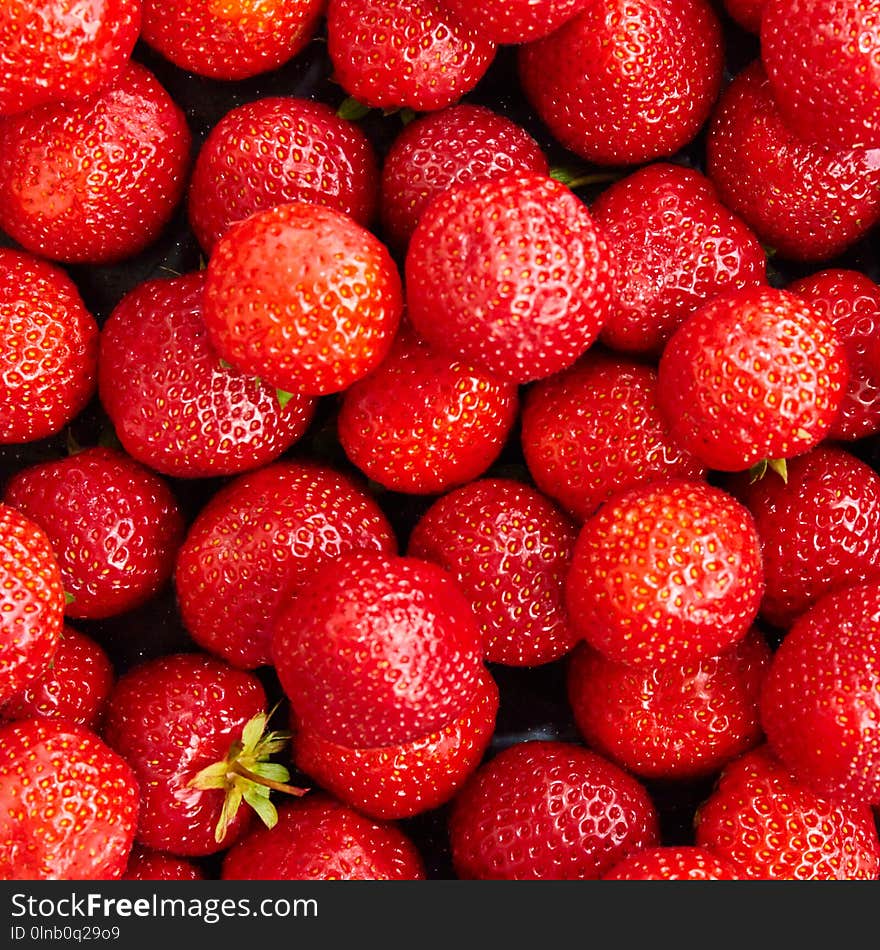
(579, 178)
(283, 397)
(352, 110)
(759, 469)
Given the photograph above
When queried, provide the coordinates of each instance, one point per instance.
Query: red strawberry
(114, 525)
(424, 421)
(256, 543)
(509, 549)
(676, 246)
(68, 804)
(548, 811)
(509, 273)
(53, 50)
(229, 39)
(596, 429)
(274, 151)
(773, 828)
(820, 705)
(667, 572)
(31, 602)
(48, 349)
(399, 781)
(670, 721)
(807, 201)
(626, 81)
(747, 13)
(447, 148)
(146, 865)
(514, 22)
(687, 863)
(303, 297)
(404, 53)
(97, 179)
(320, 839)
(752, 375)
(378, 650)
(174, 405)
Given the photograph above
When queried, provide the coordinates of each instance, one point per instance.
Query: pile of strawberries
(436, 439)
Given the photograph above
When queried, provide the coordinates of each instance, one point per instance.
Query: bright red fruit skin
(774, 828)
(820, 705)
(54, 203)
(684, 863)
(256, 543)
(169, 718)
(274, 151)
(514, 22)
(667, 572)
(747, 13)
(624, 82)
(173, 404)
(68, 804)
(378, 650)
(509, 273)
(548, 811)
(48, 349)
(146, 865)
(115, 527)
(320, 839)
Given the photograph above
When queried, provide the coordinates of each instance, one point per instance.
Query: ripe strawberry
(31, 602)
(822, 63)
(53, 50)
(820, 705)
(773, 828)
(509, 549)
(320, 839)
(404, 53)
(115, 527)
(146, 865)
(173, 403)
(68, 804)
(516, 22)
(686, 863)
(274, 151)
(596, 429)
(510, 273)
(747, 13)
(548, 811)
(303, 297)
(229, 39)
(48, 349)
(670, 721)
(447, 148)
(399, 781)
(807, 201)
(626, 81)
(425, 421)
(667, 572)
(676, 246)
(257, 541)
(752, 375)
(378, 650)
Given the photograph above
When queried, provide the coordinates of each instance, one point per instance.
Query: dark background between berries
(533, 702)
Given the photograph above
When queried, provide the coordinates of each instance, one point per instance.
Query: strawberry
(173, 403)
(667, 572)
(752, 375)
(747, 13)
(54, 50)
(425, 421)
(773, 828)
(146, 865)
(48, 349)
(806, 201)
(378, 650)
(676, 246)
(256, 543)
(670, 721)
(518, 22)
(277, 150)
(510, 273)
(685, 863)
(596, 429)
(68, 804)
(626, 81)
(404, 53)
(509, 549)
(31, 602)
(545, 810)
(115, 527)
(303, 297)
(320, 839)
